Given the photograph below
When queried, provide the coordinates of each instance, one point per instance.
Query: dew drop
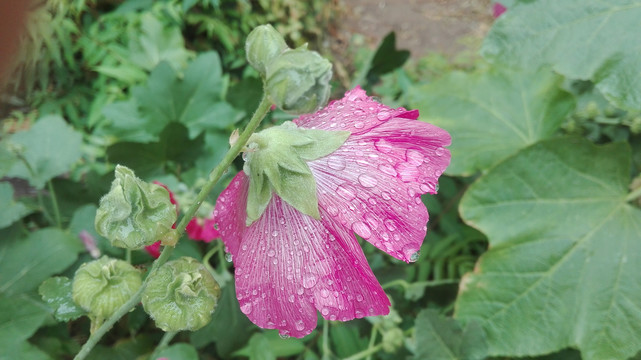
(385, 195)
(332, 317)
(300, 291)
(274, 233)
(387, 169)
(346, 192)
(229, 257)
(336, 163)
(291, 298)
(325, 311)
(284, 335)
(359, 297)
(324, 293)
(309, 280)
(332, 210)
(300, 325)
(367, 181)
(414, 157)
(383, 115)
(362, 229)
(246, 308)
(425, 188)
(390, 224)
(415, 256)
(439, 152)
(371, 221)
(383, 146)
(271, 252)
(359, 125)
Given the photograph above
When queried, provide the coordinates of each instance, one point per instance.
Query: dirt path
(421, 26)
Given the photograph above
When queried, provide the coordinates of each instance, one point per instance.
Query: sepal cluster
(134, 213)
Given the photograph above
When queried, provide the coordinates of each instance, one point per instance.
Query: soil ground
(421, 26)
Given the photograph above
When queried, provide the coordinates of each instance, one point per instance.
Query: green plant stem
(166, 339)
(406, 285)
(372, 339)
(214, 176)
(326, 350)
(635, 194)
(41, 203)
(365, 353)
(54, 204)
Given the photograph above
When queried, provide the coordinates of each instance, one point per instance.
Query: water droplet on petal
(371, 221)
(300, 291)
(284, 335)
(359, 297)
(291, 298)
(300, 325)
(367, 181)
(387, 169)
(383, 146)
(274, 233)
(439, 152)
(332, 210)
(332, 317)
(229, 257)
(415, 256)
(362, 230)
(271, 252)
(346, 192)
(336, 163)
(383, 115)
(309, 280)
(325, 311)
(414, 157)
(246, 308)
(385, 195)
(390, 224)
(359, 124)
(324, 293)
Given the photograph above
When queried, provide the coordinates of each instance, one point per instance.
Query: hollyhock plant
(294, 250)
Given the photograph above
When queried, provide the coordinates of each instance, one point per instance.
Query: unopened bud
(298, 81)
(262, 46)
(181, 295)
(134, 213)
(102, 286)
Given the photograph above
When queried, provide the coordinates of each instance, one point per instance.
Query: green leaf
(7, 158)
(56, 292)
(493, 114)
(180, 351)
(22, 351)
(269, 345)
(438, 337)
(346, 340)
(194, 99)
(565, 256)
(10, 211)
(51, 147)
(20, 317)
(155, 42)
(581, 39)
(26, 263)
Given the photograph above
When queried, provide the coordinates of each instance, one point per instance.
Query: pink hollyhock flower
(288, 265)
(202, 229)
(498, 9)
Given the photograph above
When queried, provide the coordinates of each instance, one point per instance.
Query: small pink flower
(202, 229)
(498, 9)
(289, 265)
(153, 249)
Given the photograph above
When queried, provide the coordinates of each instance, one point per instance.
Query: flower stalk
(214, 176)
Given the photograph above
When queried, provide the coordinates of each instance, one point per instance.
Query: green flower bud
(298, 81)
(392, 339)
(134, 213)
(276, 160)
(181, 295)
(262, 46)
(102, 286)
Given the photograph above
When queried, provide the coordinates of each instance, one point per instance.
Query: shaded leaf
(10, 211)
(581, 39)
(492, 115)
(565, 256)
(179, 351)
(26, 263)
(20, 317)
(438, 337)
(56, 292)
(51, 147)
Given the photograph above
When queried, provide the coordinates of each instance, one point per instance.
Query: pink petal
(289, 265)
(355, 112)
(202, 229)
(372, 184)
(153, 249)
(230, 212)
(498, 9)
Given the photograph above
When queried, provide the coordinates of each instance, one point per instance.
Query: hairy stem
(214, 176)
(54, 204)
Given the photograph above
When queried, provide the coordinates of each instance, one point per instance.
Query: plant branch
(214, 176)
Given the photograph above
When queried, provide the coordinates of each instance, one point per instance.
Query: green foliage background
(533, 248)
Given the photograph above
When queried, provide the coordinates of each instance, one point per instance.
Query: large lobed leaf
(492, 115)
(438, 337)
(50, 148)
(582, 39)
(565, 252)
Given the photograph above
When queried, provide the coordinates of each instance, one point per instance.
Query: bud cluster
(296, 80)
